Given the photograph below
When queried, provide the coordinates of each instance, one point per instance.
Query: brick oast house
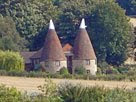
(52, 57)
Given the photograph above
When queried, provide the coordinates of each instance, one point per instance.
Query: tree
(49, 11)
(9, 37)
(72, 13)
(11, 61)
(111, 32)
(135, 37)
(129, 6)
(30, 16)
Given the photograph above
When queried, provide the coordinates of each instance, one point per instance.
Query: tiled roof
(67, 48)
(37, 54)
(52, 49)
(83, 48)
(27, 55)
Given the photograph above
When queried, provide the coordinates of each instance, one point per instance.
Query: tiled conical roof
(52, 49)
(83, 48)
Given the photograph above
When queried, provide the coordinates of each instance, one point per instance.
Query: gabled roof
(67, 48)
(37, 54)
(27, 55)
(52, 49)
(83, 48)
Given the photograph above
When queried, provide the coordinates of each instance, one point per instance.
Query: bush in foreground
(68, 92)
(78, 93)
(10, 94)
(80, 70)
(64, 71)
(11, 61)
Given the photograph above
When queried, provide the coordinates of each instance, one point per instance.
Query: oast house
(52, 56)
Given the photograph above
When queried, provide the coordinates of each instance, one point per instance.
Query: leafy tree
(30, 16)
(11, 61)
(135, 37)
(72, 13)
(111, 32)
(128, 5)
(9, 37)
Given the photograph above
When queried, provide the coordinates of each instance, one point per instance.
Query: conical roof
(83, 48)
(52, 49)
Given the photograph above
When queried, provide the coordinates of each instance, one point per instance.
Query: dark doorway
(69, 64)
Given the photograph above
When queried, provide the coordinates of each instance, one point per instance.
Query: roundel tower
(83, 51)
(52, 55)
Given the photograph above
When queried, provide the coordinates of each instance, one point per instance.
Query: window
(46, 64)
(36, 61)
(88, 71)
(87, 62)
(135, 57)
(57, 63)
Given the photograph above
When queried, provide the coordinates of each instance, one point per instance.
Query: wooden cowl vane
(52, 50)
(83, 48)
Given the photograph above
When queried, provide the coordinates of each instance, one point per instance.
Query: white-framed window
(57, 63)
(87, 62)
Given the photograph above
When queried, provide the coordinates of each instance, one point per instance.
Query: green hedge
(108, 77)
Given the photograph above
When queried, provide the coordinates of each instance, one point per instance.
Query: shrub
(10, 94)
(112, 70)
(11, 61)
(77, 93)
(80, 70)
(49, 92)
(72, 93)
(64, 71)
(123, 69)
(99, 71)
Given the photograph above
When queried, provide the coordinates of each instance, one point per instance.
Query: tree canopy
(107, 24)
(111, 32)
(129, 6)
(9, 37)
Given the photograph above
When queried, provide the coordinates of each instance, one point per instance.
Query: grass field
(30, 84)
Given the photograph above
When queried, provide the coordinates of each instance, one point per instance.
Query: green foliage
(9, 37)
(30, 17)
(111, 32)
(69, 19)
(112, 70)
(49, 92)
(80, 70)
(68, 92)
(72, 93)
(11, 61)
(106, 22)
(122, 73)
(78, 93)
(64, 71)
(9, 94)
(129, 6)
